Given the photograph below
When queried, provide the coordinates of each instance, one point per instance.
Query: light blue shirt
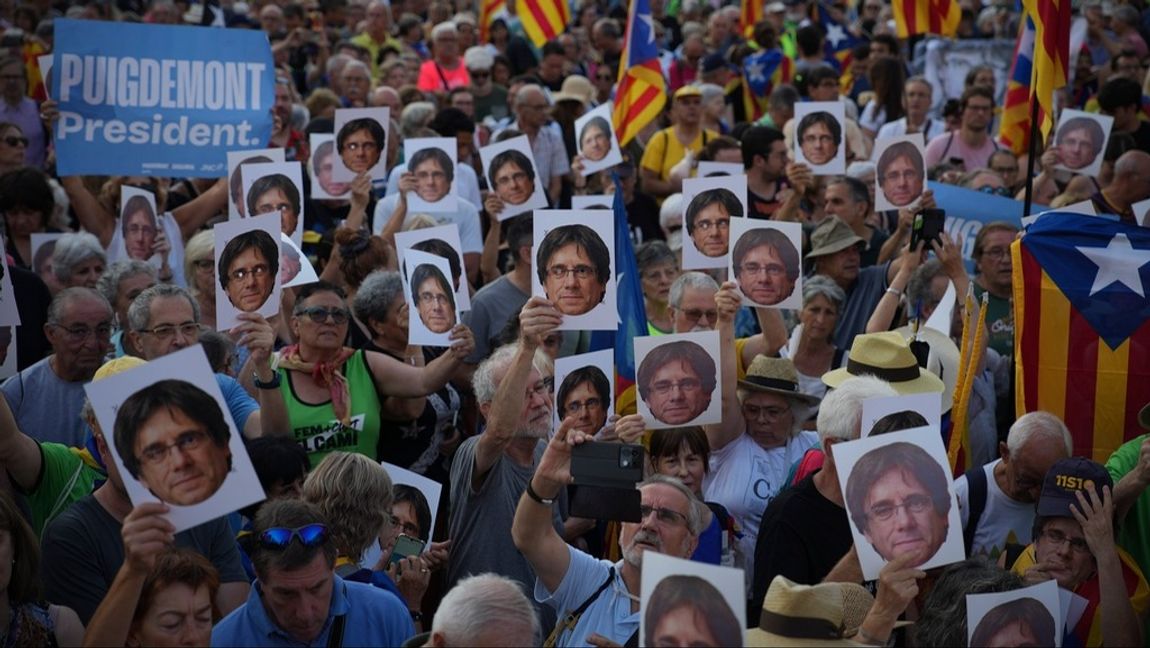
(374, 617)
(608, 615)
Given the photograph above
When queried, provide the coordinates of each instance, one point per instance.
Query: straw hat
(811, 615)
(116, 366)
(832, 235)
(576, 88)
(943, 361)
(887, 356)
(690, 90)
(775, 376)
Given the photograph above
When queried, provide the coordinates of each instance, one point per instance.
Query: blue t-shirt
(373, 618)
(240, 402)
(608, 615)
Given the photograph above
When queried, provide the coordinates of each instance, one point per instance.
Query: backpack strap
(568, 622)
(976, 488)
(949, 141)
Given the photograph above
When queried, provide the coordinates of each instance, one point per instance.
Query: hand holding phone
(928, 226)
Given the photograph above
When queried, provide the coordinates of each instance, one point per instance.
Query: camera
(604, 477)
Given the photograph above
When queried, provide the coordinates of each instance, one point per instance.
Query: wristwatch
(274, 384)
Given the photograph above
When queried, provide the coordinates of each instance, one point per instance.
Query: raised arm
(197, 212)
(395, 378)
(1120, 623)
(720, 434)
(91, 214)
(399, 214)
(772, 338)
(883, 316)
(1131, 486)
(801, 179)
(19, 453)
(258, 336)
(489, 260)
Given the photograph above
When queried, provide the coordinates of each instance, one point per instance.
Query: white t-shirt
(466, 216)
(744, 478)
(1003, 520)
(897, 128)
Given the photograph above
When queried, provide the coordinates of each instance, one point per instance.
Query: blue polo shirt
(374, 618)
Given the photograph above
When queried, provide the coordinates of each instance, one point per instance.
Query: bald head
(1130, 173)
(1132, 163)
(528, 93)
(387, 96)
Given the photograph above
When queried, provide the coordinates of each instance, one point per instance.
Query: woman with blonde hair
(200, 273)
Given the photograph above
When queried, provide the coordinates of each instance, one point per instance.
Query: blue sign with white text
(158, 100)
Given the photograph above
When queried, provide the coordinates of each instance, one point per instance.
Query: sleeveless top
(314, 425)
(29, 624)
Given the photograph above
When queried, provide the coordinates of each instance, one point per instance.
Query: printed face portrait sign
(432, 161)
(8, 359)
(708, 169)
(1141, 211)
(510, 170)
(432, 308)
(900, 172)
(892, 413)
(276, 187)
(43, 245)
(593, 201)
(584, 385)
(361, 143)
(442, 241)
(899, 497)
(417, 515)
(295, 269)
(247, 268)
(173, 438)
(678, 379)
(597, 142)
(765, 262)
(321, 167)
(139, 227)
(237, 206)
(575, 267)
(688, 603)
(711, 205)
(819, 135)
(1031, 616)
(1080, 140)
(9, 311)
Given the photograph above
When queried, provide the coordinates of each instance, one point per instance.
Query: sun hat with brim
(576, 88)
(775, 376)
(832, 235)
(887, 356)
(688, 91)
(943, 360)
(827, 614)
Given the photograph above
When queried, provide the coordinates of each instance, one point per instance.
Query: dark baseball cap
(716, 61)
(1065, 479)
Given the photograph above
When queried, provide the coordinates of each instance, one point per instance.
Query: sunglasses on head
(311, 535)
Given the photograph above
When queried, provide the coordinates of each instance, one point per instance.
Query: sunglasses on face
(319, 314)
(312, 535)
(16, 140)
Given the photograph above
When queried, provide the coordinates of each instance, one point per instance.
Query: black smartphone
(928, 226)
(605, 503)
(610, 465)
(406, 546)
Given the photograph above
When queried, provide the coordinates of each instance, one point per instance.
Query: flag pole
(1031, 145)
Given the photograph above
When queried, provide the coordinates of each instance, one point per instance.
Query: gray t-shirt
(82, 551)
(862, 298)
(46, 407)
(480, 520)
(491, 308)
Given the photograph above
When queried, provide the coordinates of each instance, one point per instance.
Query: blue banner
(968, 210)
(158, 100)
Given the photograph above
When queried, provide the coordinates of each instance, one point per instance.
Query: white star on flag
(755, 71)
(835, 34)
(1117, 262)
(646, 18)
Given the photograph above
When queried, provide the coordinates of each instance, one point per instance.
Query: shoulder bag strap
(976, 499)
(335, 637)
(568, 622)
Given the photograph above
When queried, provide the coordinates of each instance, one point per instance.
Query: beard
(633, 555)
(537, 427)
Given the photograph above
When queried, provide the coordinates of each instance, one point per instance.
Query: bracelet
(895, 291)
(273, 384)
(538, 498)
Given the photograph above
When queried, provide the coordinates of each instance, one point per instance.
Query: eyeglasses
(14, 140)
(514, 178)
(994, 254)
(243, 273)
(479, 75)
(581, 272)
(818, 139)
(430, 175)
(311, 535)
(706, 225)
(428, 298)
(770, 269)
(355, 146)
(1059, 538)
(158, 452)
(664, 515)
(980, 107)
(407, 528)
(754, 412)
(78, 334)
(997, 191)
(166, 331)
(544, 386)
(1005, 170)
(695, 314)
(319, 314)
(910, 175)
(145, 230)
(604, 77)
(914, 504)
(664, 387)
(574, 407)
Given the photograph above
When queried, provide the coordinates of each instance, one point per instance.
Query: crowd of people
(330, 386)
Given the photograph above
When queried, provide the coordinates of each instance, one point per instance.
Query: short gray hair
(67, 296)
(1038, 425)
(695, 506)
(653, 253)
(943, 620)
(483, 381)
(140, 312)
(443, 28)
(840, 414)
(74, 249)
(823, 286)
(376, 294)
(482, 603)
(109, 283)
(414, 116)
(693, 279)
(918, 288)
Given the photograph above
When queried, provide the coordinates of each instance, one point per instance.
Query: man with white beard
(691, 303)
(490, 471)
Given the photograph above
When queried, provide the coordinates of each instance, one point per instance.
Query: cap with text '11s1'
(1065, 479)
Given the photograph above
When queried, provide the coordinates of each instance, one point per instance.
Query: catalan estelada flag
(1082, 341)
(1051, 53)
(642, 90)
(915, 17)
(1014, 132)
(750, 12)
(632, 311)
(488, 9)
(839, 41)
(543, 20)
(763, 71)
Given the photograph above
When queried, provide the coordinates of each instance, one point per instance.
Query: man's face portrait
(685, 625)
(712, 230)
(901, 518)
(587, 406)
(1021, 622)
(676, 394)
(276, 200)
(572, 283)
(595, 141)
(140, 234)
(179, 461)
(818, 144)
(360, 151)
(249, 278)
(513, 184)
(901, 182)
(436, 308)
(1076, 148)
(323, 166)
(763, 277)
(432, 182)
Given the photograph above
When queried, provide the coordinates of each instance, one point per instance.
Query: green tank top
(314, 425)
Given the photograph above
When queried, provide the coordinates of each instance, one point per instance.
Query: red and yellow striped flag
(1051, 53)
(642, 90)
(544, 20)
(487, 12)
(1082, 327)
(970, 358)
(750, 12)
(914, 17)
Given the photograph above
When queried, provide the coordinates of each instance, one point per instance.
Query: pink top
(434, 77)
